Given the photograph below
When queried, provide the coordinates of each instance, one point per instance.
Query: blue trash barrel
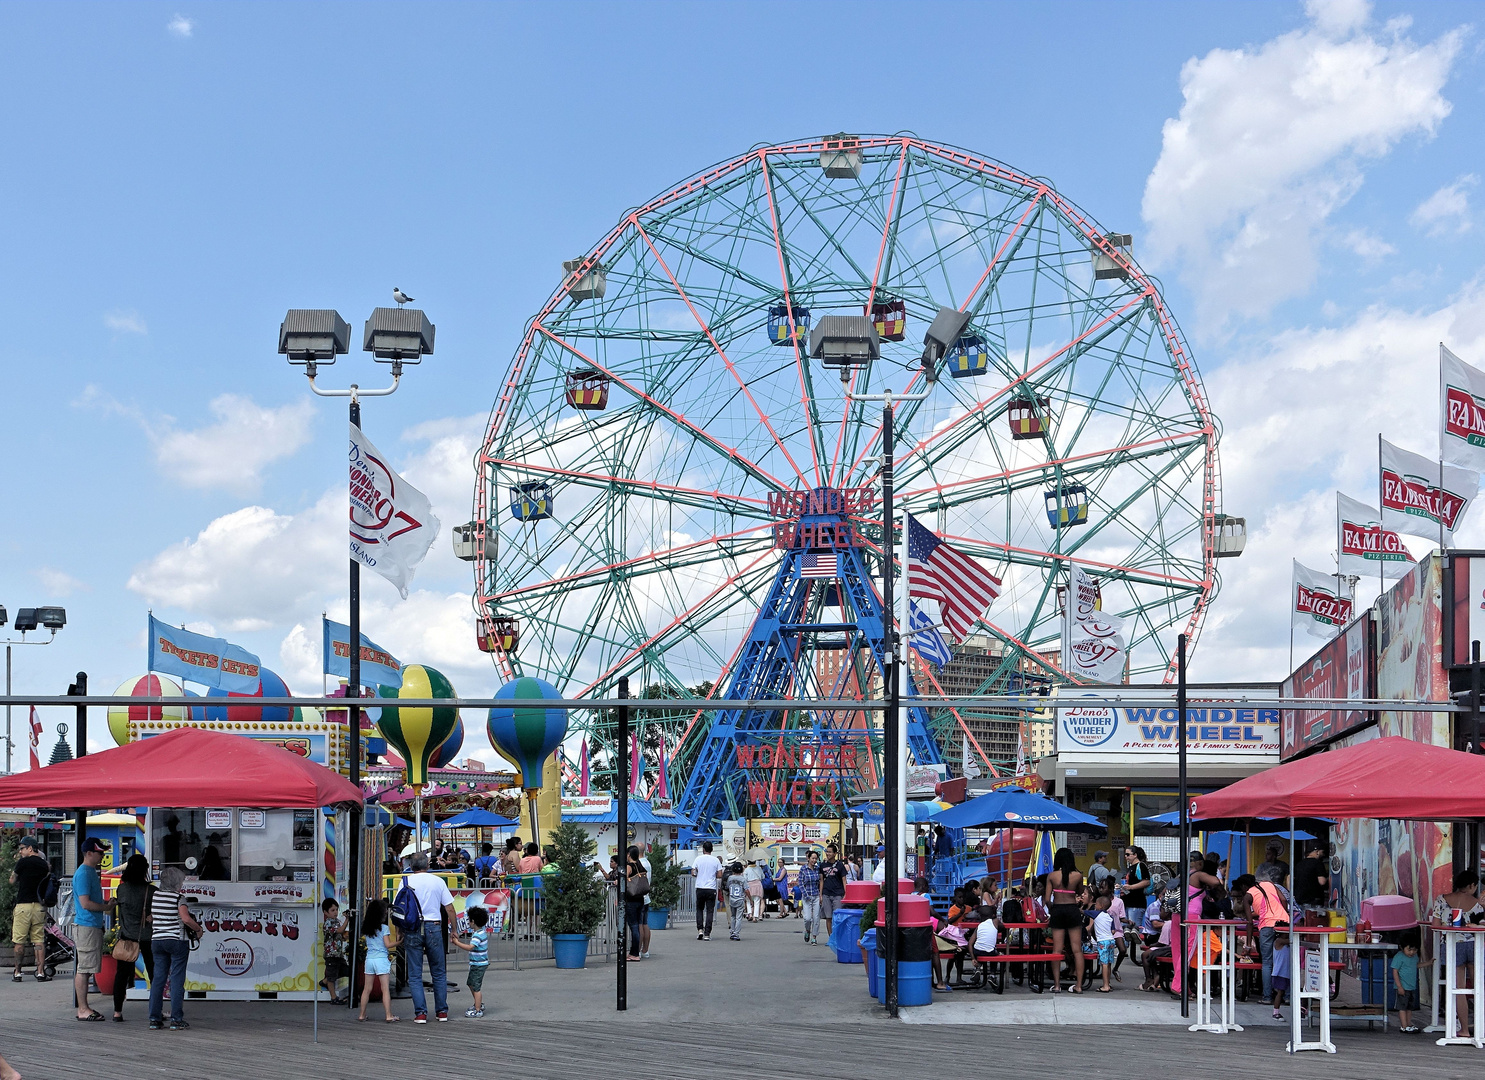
(914, 982)
(873, 974)
(845, 935)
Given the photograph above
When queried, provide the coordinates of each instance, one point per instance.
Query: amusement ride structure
(671, 489)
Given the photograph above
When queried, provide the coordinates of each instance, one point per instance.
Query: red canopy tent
(184, 767)
(1381, 778)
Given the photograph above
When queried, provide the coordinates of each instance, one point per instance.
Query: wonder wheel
(662, 419)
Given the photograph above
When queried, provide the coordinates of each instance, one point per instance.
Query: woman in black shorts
(1066, 922)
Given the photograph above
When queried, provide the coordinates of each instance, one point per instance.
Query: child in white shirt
(1103, 934)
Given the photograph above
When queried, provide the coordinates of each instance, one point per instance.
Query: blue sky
(1303, 180)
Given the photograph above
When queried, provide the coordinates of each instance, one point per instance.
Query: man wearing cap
(87, 933)
(1099, 870)
(28, 921)
(879, 875)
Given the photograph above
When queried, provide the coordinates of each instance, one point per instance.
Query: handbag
(126, 951)
(638, 886)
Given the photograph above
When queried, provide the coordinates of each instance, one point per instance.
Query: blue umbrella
(477, 817)
(1014, 808)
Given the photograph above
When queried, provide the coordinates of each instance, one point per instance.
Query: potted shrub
(665, 886)
(574, 898)
(9, 852)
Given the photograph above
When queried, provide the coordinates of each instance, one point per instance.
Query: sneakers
(700, 936)
(178, 1025)
(473, 1013)
(707, 937)
(420, 1018)
(156, 1025)
(806, 939)
(1278, 1015)
(443, 1016)
(644, 955)
(815, 941)
(734, 937)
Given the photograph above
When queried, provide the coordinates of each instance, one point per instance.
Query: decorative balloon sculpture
(144, 686)
(449, 749)
(269, 685)
(417, 733)
(527, 734)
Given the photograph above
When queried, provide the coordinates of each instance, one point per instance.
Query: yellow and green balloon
(416, 733)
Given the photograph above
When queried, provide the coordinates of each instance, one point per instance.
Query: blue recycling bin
(914, 982)
(873, 971)
(845, 935)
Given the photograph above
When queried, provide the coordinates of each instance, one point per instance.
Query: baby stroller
(58, 949)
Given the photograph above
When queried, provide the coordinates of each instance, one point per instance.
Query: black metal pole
(1184, 969)
(1474, 746)
(892, 842)
(353, 725)
(80, 689)
(621, 793)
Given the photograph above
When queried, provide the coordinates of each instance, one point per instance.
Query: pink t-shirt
(1117, 910)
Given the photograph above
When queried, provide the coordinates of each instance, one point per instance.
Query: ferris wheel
(663, 405)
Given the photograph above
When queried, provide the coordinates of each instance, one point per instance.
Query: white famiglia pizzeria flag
(392, 522)
(1365, 545)
(1315, 607)
(1461, 412)
(1415, 500)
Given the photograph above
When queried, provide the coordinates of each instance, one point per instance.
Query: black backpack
(48, 890)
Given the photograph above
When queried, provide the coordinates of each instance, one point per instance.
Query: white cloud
(1447, 210)
(1270, 141)
(180, 26)
(233, 452)
(1371, 248)
(59, 583)
(1301, 419)
(125, 322)
(257, 569)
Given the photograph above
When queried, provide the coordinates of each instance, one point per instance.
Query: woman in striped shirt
(169, 920)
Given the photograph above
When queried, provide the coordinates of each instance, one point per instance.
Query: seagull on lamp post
(400, 296)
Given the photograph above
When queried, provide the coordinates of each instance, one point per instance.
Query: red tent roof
(1379, 778)
(184, 767)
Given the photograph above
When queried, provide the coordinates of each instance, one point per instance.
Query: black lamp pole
(353, 724)
(890, 779)
(1185, 820)
(622, 885)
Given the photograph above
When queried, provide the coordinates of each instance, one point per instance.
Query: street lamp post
(311, 337)
(846, 342)
(27, 619)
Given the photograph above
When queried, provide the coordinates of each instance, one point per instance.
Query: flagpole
(1381, 525)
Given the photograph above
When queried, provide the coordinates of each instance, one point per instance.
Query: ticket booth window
(198, 841)
(276, 845)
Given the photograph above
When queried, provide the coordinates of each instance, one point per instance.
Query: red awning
(1380, 778)
(184, 767)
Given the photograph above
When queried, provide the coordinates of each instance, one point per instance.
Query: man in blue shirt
(87, 933)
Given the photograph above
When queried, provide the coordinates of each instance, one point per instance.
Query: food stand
(262, 892)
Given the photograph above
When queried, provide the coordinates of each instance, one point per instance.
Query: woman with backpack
(636, 889)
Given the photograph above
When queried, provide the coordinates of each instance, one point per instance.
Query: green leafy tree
(575, 897)
(665, 877)
(9, 855)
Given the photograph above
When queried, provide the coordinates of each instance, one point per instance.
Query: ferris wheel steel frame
(839, 450)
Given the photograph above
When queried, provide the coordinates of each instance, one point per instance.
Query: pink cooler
(904, 886)
(860, 893)
(1389, 912)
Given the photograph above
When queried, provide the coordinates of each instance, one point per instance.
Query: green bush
(9, 855)
(665, 878)
(574, 898)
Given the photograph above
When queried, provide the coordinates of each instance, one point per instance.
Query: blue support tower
(746, 750)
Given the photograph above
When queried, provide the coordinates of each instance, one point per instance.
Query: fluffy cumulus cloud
(180, 26)
(261, 571)
(1272, 140)
(232, 452)
(1301, 417)
(1447, 210)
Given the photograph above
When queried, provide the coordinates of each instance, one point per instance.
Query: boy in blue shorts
(479, 959)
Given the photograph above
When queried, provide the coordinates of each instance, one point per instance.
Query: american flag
(820, 564)
(35, 739)
(962, 587)
(926, 639)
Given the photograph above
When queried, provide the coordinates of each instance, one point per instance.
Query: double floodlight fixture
(29, 618)
(845, 342)
(947, 327)
(315, 336)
